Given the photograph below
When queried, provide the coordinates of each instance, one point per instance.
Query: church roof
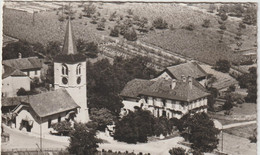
(69, 52)
(52, 102)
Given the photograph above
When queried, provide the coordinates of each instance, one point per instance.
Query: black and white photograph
(129, 77)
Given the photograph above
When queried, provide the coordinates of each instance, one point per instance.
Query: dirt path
(238, 124)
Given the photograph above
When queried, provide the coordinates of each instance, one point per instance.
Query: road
(20, 139)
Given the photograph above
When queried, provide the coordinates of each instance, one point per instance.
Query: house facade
(30, 66)
(165, 97)
(13, 80)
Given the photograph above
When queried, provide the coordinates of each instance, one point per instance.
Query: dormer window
(65, 69)
(78, 70)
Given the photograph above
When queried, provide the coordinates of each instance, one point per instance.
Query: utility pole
(222, 138)
(41, 134)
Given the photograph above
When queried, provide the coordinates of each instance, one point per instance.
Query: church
(68, 100)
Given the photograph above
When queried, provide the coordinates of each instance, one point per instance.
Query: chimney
(19, 55)
(183, 78)
(173, 83)
(190, 81)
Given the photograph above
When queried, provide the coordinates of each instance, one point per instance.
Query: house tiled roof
(9, 71)
(135, 86)
(182, 91)
(187, 69)
(52, 102)
(162, 89)
(24, 63)
(223, 80)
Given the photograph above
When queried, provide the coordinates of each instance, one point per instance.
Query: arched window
(78, 70)
(64, 69)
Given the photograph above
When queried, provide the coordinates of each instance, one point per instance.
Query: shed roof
(13, 101)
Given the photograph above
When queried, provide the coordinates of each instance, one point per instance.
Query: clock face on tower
(78, 80)
(64, 80)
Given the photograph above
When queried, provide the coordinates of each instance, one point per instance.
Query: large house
(165, 97)
(185, 69)
(68, 101)
(30, 66)
(12, 80)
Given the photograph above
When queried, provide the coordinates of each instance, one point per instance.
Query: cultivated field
(201, 43)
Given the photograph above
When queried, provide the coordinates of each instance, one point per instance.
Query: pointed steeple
(69, 46)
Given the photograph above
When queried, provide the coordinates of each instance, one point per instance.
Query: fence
(46, 151)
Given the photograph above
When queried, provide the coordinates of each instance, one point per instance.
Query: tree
(21, 92)
(134, 127)
(83, 140)
(177, 151)
(206, 23)
(63, 128)
(12, 50)
(101, 26)
(228, 104)
(114, 32)
(113, 16)
(131, 34)
(200, 131)
(159, 23)
(250, 16)
(89, 10)
(90, 49)
(102, 117)
(223, 66)
(190, 27)
(212, 7)
(39, 48)
(53, 48)
(248, 80)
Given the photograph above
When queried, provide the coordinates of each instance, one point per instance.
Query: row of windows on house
(65, 69)
(176, 104)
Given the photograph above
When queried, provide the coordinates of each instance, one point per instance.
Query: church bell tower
(70, 73)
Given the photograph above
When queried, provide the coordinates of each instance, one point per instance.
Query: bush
(21, 92)
(228, 105)
(159, 23)
(253, 138)
(206, 23)
(101, 26)
(114, 32)
(130, 35)
(177, 151)
(63, 128)
(223, 66)
(190, 27)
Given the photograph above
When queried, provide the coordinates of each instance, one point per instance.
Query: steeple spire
(69, 46)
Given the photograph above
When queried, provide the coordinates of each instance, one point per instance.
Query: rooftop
(69, 52)
(187, 69)
(9, 71)
(51, 102)
(24, 63)
(162, 88)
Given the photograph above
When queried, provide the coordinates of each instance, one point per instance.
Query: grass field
(201, 43)
(242, 131)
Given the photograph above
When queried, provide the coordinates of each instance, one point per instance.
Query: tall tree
(199, 130)
(83, 140)
(12, 50)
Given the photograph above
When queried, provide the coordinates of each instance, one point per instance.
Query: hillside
(201, 43)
